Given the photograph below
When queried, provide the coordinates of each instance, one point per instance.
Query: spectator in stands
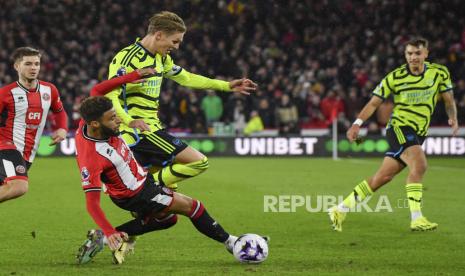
(332, 105)
(281, 46)
(196, 120)
(286, 116)
(212, 106)
(461, 109)
(266, 113)
(254, 125)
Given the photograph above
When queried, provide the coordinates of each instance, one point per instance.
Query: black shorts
(159, 149)
(151, 199)
(12, 165)
(400, 138)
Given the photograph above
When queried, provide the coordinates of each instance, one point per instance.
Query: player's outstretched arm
(106, 86)
(451, 110)
(367, 111)
(96, 212)
(93, 207)
(185, 78)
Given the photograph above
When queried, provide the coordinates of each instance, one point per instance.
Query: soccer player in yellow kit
(415, 88)
(137, 103)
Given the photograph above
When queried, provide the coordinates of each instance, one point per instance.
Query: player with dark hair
(24, 106)
(137, 104)
(415, 88)
(104, 158)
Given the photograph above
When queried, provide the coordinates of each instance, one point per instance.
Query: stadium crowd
(309, 58)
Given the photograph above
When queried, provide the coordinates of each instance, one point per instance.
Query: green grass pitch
(233, 191)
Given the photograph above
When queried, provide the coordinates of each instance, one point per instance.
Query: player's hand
(352, 133)
(58, 136)
(115, 240)
(243, 86)
(454, 125)
(139, 124)
(145, 73)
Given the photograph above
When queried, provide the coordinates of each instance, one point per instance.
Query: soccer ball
(250, 248)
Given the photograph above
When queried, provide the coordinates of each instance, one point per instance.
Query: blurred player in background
(137, 104)
(24, 106)
(103, 156)
(415, 88)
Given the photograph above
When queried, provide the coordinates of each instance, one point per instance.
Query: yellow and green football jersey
(414, 96)
(141, 100)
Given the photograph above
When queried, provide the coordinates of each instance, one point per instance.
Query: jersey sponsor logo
(20, 169)
(21, 99)
(45, 97)
(34, 116)
(414, 97)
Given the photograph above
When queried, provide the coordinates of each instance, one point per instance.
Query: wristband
(358, 122)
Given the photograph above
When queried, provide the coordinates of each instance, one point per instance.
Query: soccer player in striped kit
(415, 87)
(170, 159)
(24, 106)
(105, 158)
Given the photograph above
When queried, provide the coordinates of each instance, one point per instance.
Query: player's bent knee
(204, 165)
(181, 204)
(200, 166)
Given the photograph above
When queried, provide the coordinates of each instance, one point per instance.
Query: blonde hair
(167, 22)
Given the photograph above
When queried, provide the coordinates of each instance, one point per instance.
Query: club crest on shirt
(123, 152)
(45, 97)
(20, 169)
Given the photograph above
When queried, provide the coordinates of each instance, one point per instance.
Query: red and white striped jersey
(110, 161)
(23, 115)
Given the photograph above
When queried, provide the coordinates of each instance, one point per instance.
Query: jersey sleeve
(446, 83)
(185, 78)
(115, 65)
(106, 86)
(57, 104)
(2, 100)
(92, 186)
(384, 89)
(90, 172)
(59, 113)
